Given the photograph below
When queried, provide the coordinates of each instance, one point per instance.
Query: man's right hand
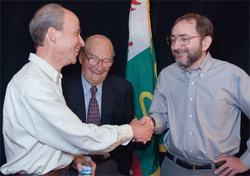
(142, 130)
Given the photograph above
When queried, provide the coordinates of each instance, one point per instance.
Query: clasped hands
(142, 129)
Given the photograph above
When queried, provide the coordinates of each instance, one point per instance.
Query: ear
(52, 34)
(80, 58)
(206, 43)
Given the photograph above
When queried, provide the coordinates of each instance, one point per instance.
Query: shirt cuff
(125, 134)
(245, 158)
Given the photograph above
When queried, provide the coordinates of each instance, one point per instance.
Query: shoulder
(117, 81)
(169, 71)
(117, 84)
(30, 78)
(227, 67)
(69, 80)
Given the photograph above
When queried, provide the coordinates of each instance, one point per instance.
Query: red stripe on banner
(136, 167)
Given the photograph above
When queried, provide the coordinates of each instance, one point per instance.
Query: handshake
(142, 129)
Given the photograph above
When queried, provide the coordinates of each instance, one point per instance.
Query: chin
(73, 61)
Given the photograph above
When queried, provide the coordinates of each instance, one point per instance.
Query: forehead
(185, 27)
(100, 47)
(70, 19)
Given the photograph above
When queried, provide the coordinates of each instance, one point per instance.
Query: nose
(81, 41)
(100, 65)
(176, 45)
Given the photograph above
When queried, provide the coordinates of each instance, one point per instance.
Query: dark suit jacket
(117, 109)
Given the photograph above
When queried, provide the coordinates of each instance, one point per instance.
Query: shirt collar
(87, 86)
(52, 73)
(205, 65)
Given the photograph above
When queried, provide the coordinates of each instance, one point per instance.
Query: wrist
(153, 120)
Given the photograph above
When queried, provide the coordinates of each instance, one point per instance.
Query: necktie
(93, 111)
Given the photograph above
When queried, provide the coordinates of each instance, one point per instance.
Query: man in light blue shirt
(200, 99)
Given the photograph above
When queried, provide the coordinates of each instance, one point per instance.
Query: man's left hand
(231, 167)
(79, 161)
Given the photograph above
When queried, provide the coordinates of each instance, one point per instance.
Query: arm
(51, 122)
(159, 108)
(234, 165)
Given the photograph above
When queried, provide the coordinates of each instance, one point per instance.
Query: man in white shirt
(41, 134)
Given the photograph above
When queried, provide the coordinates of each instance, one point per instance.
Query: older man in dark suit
(113, 100)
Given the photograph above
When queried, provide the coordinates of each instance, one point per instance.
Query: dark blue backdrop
(230, 18)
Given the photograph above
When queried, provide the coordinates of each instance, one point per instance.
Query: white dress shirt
(40, 132)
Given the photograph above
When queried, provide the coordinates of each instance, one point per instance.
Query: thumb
(78, 165)
(142, 121)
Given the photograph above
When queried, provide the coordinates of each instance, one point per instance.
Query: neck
(197, 63)
(48, 56)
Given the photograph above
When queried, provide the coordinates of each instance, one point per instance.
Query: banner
(141, 72)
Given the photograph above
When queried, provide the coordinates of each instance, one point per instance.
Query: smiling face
(187, 55)
(97, 47)
(69, 39)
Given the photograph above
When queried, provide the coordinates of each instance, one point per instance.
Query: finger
(77, 165)
(223, 168)
(223, 158)
(143, 121)
(226, 171)
(138, 140)
(233, 173)
(93, 169)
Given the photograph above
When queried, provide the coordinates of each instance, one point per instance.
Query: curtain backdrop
(231, 34)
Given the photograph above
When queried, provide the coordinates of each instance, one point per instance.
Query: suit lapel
(77, 99)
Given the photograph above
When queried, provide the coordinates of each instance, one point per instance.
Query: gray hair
(50, 15)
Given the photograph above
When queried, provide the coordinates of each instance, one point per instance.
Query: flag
(141, 72)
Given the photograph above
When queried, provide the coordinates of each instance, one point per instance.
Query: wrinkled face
(69, 39)
(185, 56)
(96, 48)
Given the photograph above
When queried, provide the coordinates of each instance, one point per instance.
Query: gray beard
(191, 58)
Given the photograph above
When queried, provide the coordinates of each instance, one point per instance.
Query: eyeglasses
(95, 61)
(183, 39)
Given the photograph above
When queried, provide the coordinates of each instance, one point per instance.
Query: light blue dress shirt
(87, 95)
(202, 110)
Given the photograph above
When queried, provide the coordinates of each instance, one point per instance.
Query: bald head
(96, 59)
(99, 42)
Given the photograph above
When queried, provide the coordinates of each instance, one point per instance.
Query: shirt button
(201, 75)
(191, 99)
(190, 115)
(191, 150)
(191, 133)
(192, 82)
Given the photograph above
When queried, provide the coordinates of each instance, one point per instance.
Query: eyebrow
(179, 35)
(93, 55)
